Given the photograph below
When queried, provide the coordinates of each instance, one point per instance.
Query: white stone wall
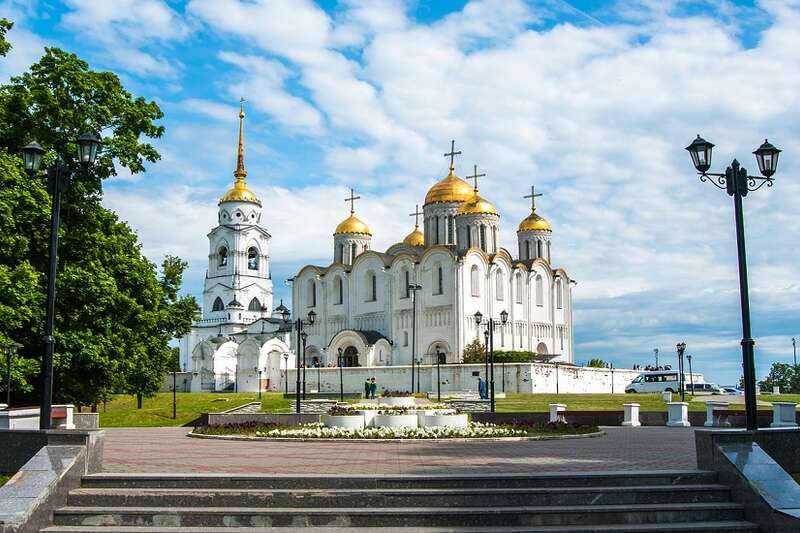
(519, 377)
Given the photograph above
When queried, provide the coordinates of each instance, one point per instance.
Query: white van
(663, 380)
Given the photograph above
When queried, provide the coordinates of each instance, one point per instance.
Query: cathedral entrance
(350, 356)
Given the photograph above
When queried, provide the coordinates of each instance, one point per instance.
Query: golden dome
(415, 238)
(534, 222)
(451, 188)
(352, 224)
(240, 192)
(477, 206)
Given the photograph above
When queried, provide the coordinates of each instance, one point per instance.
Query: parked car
(730, 389)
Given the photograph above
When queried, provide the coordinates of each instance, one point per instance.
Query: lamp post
(503, 366)
(419, 373)
(286, 370)
(58, 177)
(298, 324)
(691, 377)
(737, 183)
(438, 376)
(681, 378)
(794, 351)
(174, 394)
(319, 380)
(304, 338)
(655, 351)
(490, 324)
(258, 371)
(10, 351)
(413, 288)
(341, 376)
(486, 355)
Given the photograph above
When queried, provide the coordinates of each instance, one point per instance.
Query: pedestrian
(367, 388)
(373, 387)
(482, 389)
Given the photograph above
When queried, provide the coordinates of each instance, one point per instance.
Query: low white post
(557, 411)
(716, 421)
(631, 415)
(678, 414)
(784, 415)
(666, 396)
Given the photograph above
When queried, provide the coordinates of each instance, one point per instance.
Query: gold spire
(240, 192)
(533, 222)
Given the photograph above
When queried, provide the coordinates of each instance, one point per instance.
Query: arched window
(475, 281)
(406, 282)
(439, 281)
(371, 287)
(218, 305)
(559, 294)
(538, 248)
(340, 254)
(255, 305)
(494, 238)
(252, 258)
(539, 291)
(312, 293)
(436, 230)
(450, 233)
(222, 256)
(339, 288)
(353, 252)
(405, 338)
(500, 282)
(483, 237)
(468, 237)
(520, 287)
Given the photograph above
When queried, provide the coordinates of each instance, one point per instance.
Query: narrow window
(406, 276)
(538, 248)
(218, 305)
(450, 225)
(499, 285)
(222, 257)
(527, 249)
(405, 338)
(475, 281)
(339, 291)
(312, 293)
(494, 238)
(559, 296)
(436, 230)
(374, 287)
(252, 258)
(539, 291)
(439, 280)
(468, 234)
(519, 288)
(483, 238)
(255, 305)
(353, 253)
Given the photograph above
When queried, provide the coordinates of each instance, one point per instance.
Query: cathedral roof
(415, 238)
(352, 224)
(476, 205)
(534, 222)
(240, 192)
(451, 188)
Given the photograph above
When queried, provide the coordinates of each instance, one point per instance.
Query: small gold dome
(415, 238)
(451, 188)
(534, 222)
(352, 224)
(240, 192)
(477, 206)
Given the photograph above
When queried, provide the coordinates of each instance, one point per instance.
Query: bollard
(557, 411)
(784, 415)
(631, 415)
(678, 414)
(717, 414)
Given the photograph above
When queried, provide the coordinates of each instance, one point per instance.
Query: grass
(589, 402)
(121, 411)
(4, 478)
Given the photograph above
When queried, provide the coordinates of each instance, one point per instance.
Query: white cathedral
(365, 301)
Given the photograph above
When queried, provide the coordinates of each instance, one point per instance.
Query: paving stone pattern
(169, 450)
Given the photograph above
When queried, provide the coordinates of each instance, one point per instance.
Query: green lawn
(157, 411)
(4, 478)
(779, 398)
(589, 402)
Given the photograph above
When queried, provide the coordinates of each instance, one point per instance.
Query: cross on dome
(452, 155)
(416, 215)
(533, 196)
(352, 199)
(475, 176)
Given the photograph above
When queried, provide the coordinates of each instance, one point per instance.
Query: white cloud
(27, 47)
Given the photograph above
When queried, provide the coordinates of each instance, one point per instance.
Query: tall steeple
(240, 192)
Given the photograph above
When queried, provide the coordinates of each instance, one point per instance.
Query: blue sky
(591, 101)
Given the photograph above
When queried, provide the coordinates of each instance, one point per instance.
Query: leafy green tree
(114, 315)
(5, 46)
(474, 352)
(596, 362)
(780, 375)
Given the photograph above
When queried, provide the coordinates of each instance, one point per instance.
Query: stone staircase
(666, 501)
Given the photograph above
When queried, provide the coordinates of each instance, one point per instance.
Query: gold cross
(416, 215)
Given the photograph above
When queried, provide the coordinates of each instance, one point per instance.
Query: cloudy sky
(591, 101)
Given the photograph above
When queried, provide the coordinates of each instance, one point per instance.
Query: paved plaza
(169, 450)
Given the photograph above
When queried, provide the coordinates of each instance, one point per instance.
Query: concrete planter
(631, 415)
(395, 421)
(422, 413)
(402, 401)
(448, 420)
(369, 415)
(346, 422)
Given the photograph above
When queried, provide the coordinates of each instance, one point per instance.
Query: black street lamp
(174, 394)
(681, 378)
(286, 370)
(298, 324)
(794, 351)
(737, 183)
(439, 356)
(413, 288)
(58, 176)
(486, 355)
(319, 380)
(419, 372)
(10, 350)
(258, 371)
(490, 325)
(341, 376)
(304, 338)
(691, 378)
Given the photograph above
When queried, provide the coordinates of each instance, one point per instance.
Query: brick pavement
(169, 450)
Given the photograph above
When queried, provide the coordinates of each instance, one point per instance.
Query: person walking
(373, 388)
(482, 389)
(367, 388)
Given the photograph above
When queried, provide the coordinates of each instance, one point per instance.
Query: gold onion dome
(415, 238)
(352, 224)
(534, 222)
(240, 192)
(451, 188)
(476, 205)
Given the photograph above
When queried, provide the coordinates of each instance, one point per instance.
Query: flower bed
(402, 401)
(351, 421)
(395, 420)
(473, 430)
(446, 420)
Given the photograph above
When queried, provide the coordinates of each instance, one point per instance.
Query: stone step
(675, 527)
(283, 481)
(396, 517)
(611, 495)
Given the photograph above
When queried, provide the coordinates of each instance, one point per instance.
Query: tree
(5, 46)
(780, 375)
(596, 362)
(474, 352)
(114, 315)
